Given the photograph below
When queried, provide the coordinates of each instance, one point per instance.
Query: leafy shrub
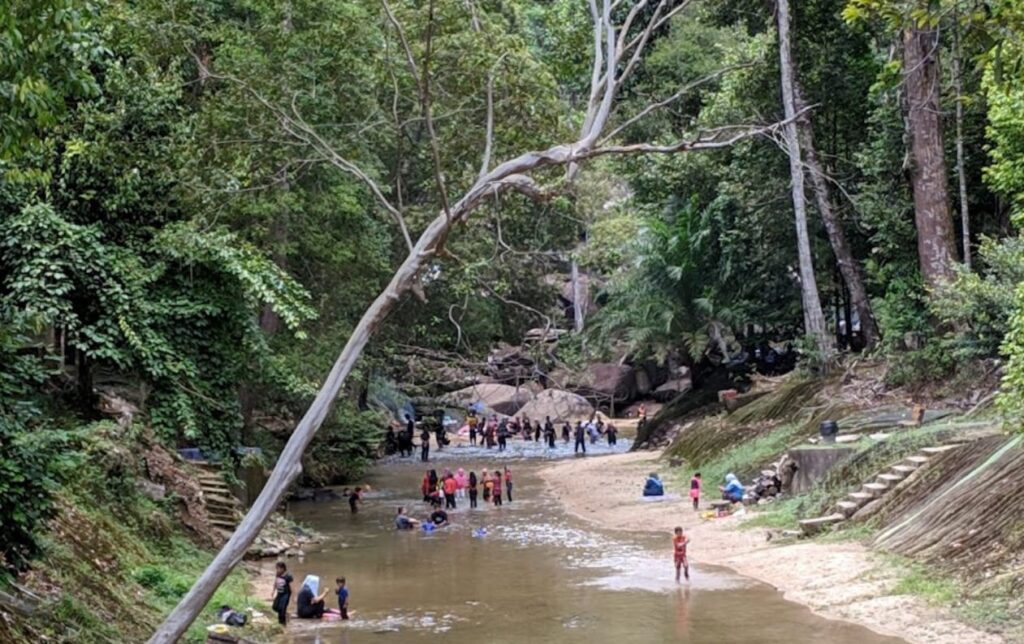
(978, 306)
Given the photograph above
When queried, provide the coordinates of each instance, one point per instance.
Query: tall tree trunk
(269, 320)
(936, 245)
(814, 318)
(849, 268)
(961, 173)
(577, 298)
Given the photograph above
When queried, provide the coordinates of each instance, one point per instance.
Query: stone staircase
(223, 508)
(883, 483)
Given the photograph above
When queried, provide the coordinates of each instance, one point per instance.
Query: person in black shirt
(355, 499)
(439, 517)
(282, 592)
(308, 604)
(425, 445)
(581, 442)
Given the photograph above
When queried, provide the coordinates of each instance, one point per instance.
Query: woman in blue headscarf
(733, 490)
(654, 486)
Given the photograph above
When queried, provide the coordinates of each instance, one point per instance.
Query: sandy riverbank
(836, 580)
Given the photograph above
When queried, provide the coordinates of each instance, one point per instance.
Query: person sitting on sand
(654, 486)
(733, 489)
(309, 604)
(404, 522)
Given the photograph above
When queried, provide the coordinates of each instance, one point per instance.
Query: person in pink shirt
(461, 482)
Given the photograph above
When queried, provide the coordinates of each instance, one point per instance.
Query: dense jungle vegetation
(188, 205)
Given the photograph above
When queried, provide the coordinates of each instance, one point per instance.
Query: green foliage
(345, 446)
(46, 49)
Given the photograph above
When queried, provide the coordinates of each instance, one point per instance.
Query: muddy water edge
(537, 575)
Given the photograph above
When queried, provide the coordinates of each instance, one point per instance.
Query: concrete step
(847, 508)
(876, 489)
(938, 449)
(814, 526)
(215, 500)
(890, 479)
(905, 470)
(221, 523)
(860, 498)
(918, 460)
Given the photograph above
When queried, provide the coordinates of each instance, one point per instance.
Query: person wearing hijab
(310, 605)
(733, 489)
(654, 486)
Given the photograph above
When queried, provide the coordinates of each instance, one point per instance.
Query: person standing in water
(502, 436)
(282, 592)
(496, 491)
(581, 439)
(472, 489)
(536, 431)
(488, 484)
(355, 499)
(695, 490)
(508, 484)
(566, 431)
(342, 593)
(460, 484)
(425, 445)
(449, 491)
(472, 421)
(679, 543)
(612, 434)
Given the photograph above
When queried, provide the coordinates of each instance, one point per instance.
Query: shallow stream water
(537, 576)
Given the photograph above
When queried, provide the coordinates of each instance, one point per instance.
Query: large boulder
(503, 399)
(671, 389)
(602, 382)
(560, 405)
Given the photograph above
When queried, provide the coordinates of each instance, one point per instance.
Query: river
(537, 576)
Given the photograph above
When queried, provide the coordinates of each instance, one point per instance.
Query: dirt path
(836, 580)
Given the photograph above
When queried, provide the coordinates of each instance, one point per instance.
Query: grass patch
(114, 564)
(781, 514)
(930, 585)
(743, 459)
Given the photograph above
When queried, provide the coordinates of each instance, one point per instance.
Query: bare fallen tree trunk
(814, 318)
(611, 54)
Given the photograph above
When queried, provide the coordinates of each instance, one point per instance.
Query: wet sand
(843, 581)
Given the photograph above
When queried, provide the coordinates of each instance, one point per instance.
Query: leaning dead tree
(618, 48)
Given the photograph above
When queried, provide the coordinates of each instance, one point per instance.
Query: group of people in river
(495, 432)
(443, 492)
(451, 486)
(310, 604)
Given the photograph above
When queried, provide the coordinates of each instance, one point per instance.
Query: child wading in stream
(342, 592)
(679, 543)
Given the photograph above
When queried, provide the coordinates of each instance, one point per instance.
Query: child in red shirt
(679, 543)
